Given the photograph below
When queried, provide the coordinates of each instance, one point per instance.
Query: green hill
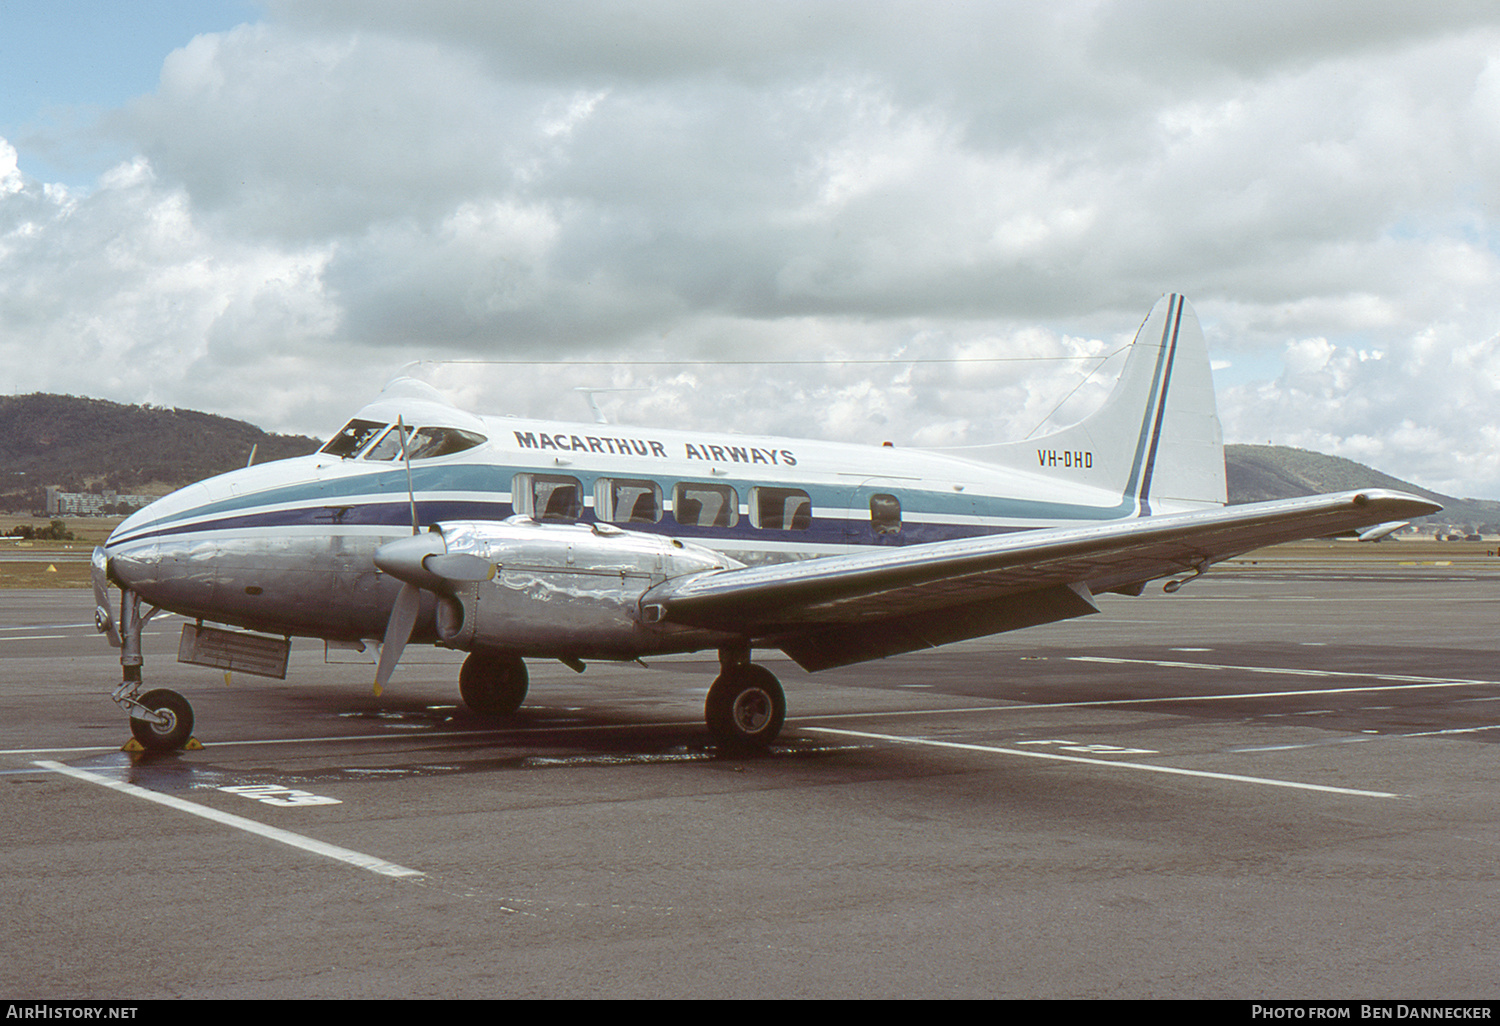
(1259, 472)
(85, 445)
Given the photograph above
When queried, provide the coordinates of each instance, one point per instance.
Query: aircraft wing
(847, 609)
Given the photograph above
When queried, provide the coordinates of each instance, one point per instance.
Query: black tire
(493, 685)
(746, 707)
(170, 736)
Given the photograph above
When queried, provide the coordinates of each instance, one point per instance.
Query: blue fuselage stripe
(374, 500)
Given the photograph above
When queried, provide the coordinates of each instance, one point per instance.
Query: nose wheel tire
(168, 736)
(746, 707)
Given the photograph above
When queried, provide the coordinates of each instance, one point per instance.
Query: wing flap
(892, 600)
(842, 644)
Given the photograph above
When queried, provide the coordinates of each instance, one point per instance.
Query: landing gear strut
(160, 720)
(493, 684)
(746, 706)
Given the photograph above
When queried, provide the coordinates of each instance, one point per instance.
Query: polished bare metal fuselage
(557, 590)
(317, 585)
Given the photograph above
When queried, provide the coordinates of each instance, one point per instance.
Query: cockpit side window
(389, 446)
(352, 438)
(431, 442)
(424, 443)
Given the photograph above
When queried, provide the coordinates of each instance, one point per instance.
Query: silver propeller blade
(397, 633)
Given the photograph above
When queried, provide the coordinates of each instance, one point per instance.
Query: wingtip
(1389, 500)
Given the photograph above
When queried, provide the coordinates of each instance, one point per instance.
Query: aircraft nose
(131, 565)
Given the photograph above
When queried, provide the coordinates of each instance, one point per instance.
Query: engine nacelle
(567, 590)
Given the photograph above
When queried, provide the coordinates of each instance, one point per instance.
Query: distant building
(85, 504)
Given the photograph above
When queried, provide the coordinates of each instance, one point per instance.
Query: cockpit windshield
(352, 438)
(424, 443)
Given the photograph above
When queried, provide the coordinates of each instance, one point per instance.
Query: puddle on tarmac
(174, 773)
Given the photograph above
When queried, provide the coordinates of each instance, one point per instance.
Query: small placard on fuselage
(232, 650)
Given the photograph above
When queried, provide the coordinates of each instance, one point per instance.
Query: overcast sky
(266, 210)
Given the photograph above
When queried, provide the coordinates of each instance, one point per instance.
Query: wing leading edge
(848, 609)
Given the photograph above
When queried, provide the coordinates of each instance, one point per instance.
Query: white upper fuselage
(941, 496)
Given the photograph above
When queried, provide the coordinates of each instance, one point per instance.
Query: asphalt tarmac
(1281, 782)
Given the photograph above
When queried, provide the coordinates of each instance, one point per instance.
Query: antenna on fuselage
(589, 393)
(411, 493)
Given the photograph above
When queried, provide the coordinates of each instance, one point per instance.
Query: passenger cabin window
(424, 443)
(705, 505)
(885, 514)
(353, 437)
(780, 509)
(547, 496)
(618, 501)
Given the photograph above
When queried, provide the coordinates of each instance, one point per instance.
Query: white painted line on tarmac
(47, 627)
(1454, 730)
(1100, 703)
(1111, 763)
(1255, 749)
(55, 637)
(1449, 682)
(286, 837)
(45, 751)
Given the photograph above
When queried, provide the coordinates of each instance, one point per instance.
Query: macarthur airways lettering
(607, 446)
(590, 443)
(740, 454)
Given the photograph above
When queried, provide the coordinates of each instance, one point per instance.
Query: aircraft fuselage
(288, 547)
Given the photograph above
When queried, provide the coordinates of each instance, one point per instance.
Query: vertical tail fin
(1156, 441)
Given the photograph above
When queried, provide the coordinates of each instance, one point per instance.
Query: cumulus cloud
(322, 196)
(1411, 412)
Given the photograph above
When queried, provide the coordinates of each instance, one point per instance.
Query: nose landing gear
(161, 720)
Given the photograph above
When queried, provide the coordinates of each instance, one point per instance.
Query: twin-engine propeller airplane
(587, 542)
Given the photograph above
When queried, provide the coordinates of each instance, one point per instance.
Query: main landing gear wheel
(493, 685)
(746, 707)
(168, 736)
